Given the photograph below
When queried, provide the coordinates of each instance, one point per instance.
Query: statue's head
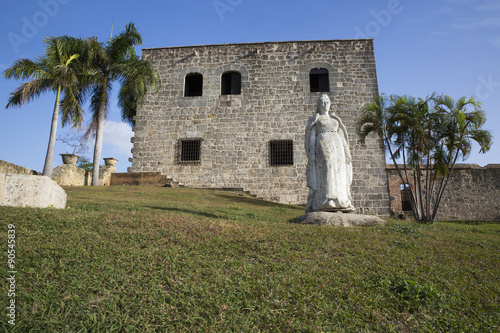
(323, 103)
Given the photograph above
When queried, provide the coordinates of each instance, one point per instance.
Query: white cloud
(117, 135)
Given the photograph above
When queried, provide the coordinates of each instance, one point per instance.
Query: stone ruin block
(69, 175)
(31, 191)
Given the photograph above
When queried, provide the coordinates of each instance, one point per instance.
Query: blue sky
(446, 46)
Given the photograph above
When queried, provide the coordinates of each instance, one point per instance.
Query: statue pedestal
(339, 219)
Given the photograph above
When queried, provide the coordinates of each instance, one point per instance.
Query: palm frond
(25, 69)
(70, 106)
(483, 138)
(121, 46)
(29, 91)
(137, 77)
(373, 118)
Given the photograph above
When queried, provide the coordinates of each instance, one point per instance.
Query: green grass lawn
(145, 259)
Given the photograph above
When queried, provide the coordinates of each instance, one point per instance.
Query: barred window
(189, 150)
(231, 83)
(318, 79)
(193, 85)
(281, 152)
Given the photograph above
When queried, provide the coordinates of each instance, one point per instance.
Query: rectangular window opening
(190, 150)
(318, 80)
(193, 85)
(405, 198)
(281, 152)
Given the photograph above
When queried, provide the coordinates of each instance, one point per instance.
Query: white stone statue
(329, 168)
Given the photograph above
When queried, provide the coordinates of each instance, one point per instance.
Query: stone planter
(110, 161)
(69, 158)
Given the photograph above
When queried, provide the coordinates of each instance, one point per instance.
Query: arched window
(231, 83)
(193, 85)
(318, 79)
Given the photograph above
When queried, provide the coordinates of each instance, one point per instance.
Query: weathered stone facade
(234, 130)
(472, 193)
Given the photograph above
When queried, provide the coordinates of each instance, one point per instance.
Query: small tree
(78, 145)
(427, 135)
(75, 141)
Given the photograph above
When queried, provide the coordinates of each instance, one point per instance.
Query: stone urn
(69, 158)
(110, 161)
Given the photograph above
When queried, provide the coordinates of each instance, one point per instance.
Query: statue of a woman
(329, 168)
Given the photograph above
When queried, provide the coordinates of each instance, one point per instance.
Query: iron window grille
(189, 150)
(318, 80)
(281, 152)
(231, 83)
(193, 85)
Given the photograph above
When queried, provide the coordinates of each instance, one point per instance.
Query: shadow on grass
(246, 200)
(188, 211)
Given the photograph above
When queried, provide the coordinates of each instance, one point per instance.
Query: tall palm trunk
(49, 158)
(101, 116)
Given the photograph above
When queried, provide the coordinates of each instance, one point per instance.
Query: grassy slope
(147, 258)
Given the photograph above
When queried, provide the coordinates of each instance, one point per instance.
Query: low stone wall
(472, 193)
(9, 168)
(67, 174)
(139, 178)
(30, 191)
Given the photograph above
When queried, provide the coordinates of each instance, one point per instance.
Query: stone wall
(472, 193)
(13, 169)
(139, 178)
(275, 104)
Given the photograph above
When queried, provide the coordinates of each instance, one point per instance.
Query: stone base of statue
(339, 219)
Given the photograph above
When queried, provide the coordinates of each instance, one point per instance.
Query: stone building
(234, 116)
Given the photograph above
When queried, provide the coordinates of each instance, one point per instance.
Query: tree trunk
(101, 116)
(49, 158)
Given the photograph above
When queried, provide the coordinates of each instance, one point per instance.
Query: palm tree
(116, 60)
(57, 70)
(416, 129)
(460, 129)
(428, 135)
